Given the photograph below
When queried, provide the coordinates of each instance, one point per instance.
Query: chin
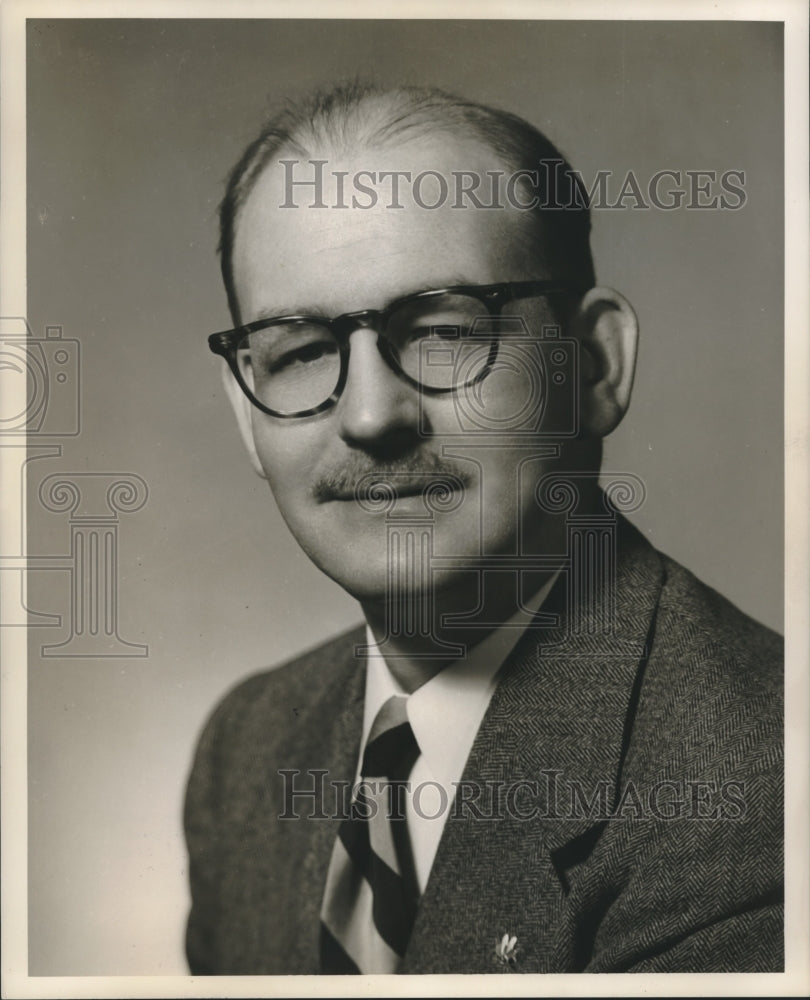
(371, 586)
(365, 581)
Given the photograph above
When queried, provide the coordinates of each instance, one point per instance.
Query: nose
(377, 408)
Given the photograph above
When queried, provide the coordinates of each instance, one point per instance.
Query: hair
(359, 115)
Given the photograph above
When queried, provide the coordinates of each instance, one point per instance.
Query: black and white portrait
(394, 496)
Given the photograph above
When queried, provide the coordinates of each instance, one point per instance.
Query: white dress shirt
(445, 714)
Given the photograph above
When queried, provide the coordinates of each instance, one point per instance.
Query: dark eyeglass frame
(492, 298)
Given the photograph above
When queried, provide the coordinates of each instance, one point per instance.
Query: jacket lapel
(555, 731)
(333, 747)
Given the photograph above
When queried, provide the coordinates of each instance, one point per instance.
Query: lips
(426, 479)
(397, 488)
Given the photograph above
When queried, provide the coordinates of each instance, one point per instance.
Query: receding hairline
(360, 115)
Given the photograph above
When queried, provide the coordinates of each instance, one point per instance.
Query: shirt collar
(446, 712)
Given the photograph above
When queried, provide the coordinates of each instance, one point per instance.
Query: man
(551, 749)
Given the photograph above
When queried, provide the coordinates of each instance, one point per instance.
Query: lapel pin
(506, 950)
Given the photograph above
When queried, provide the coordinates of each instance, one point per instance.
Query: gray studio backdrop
(132, 127)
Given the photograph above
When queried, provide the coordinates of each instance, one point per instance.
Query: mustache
(360, 476)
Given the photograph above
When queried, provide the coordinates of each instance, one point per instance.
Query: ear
(242, 408)
(608, 332)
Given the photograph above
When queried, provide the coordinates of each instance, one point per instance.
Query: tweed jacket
(629, 815)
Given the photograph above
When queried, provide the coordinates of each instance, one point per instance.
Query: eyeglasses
(438, 341)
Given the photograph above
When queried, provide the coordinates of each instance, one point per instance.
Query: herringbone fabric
(371, 896)
(641, 775)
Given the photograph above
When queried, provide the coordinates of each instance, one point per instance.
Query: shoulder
(273, 706)
(709, 643)
(698, 828)
(293, 680)
(712, 687)
(694, 615)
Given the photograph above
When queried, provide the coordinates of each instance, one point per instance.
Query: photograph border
(13, 704)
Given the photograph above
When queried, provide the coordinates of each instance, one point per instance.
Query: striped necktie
(371, 892)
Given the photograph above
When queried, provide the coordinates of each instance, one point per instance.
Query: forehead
(293, 250)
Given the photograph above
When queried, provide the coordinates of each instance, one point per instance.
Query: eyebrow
(309, 310)
(289, 311)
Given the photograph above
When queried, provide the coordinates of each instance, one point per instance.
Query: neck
(415, 655)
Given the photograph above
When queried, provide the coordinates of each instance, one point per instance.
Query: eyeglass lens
(441, 342)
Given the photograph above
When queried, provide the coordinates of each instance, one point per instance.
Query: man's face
(331, 261)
